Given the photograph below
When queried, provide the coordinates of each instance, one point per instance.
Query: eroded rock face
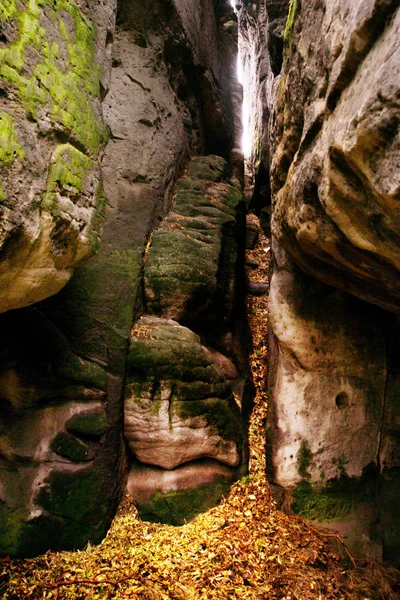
(53, 440)
(62, 363)
(177, 495)
(54, 64)
(190, 267)
(328, 378)
(178, 405)
(336, 163)
(334, 175)
(329, 386)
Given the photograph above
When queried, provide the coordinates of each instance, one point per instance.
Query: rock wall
(261, 26)
(54, 65)
(63, 361)
(334, 151)
(336, 160)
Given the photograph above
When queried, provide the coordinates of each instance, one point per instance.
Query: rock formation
(332, 149)
(122, 232)
(63, 463)
(54, 61)
(179, 404)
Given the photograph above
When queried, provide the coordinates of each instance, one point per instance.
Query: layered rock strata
(179, 397)
(178, 405)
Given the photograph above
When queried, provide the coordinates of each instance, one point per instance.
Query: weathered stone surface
(54, 64)
(258, 289)
(252, 231)
(329, 382)
(72, 448)
(178, 405)
(44, 389)
(191, 263)
(177, 496)
(261, 26)
(91, 423)
(157, 118)
(335, 171)
(332, 146)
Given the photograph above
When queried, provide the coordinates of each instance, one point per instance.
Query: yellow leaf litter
(244, 548)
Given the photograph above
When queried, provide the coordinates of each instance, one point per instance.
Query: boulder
(179, 495)
(191, 263)
(178, 405)
(252, 231)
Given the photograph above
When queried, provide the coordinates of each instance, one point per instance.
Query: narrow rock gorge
(130, 155)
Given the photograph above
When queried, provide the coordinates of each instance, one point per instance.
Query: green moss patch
(333, 500)
(222, 414)
(304, 460)
(166, 350)
(177, 508)
(31, 64)
(76, 499)
(67, 175)
(11, 528)
(9, 145)
(71, 447)
(91, 423)
(288, 33)
(209, 168)
(193, 253)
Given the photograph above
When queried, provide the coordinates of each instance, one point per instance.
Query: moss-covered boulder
(92, 422)
(190, 268)
(178, 404)
(51, 135)
(176, 496)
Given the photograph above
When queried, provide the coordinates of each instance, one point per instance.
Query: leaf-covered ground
(243, 549)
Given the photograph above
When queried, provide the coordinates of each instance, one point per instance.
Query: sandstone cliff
(332, 149)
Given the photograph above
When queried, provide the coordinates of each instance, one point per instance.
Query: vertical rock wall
(54, 65)
(63, 361)
(334, 151)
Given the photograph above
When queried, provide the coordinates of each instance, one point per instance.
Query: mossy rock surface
(62, 88)
(335, 499)
(178, 404)
(177, 508)
(164, 349)
(210, 168)
(70, 447)
(91, 423)
(73, 514)
(190, 266)
(222, 414)
(51, 136)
